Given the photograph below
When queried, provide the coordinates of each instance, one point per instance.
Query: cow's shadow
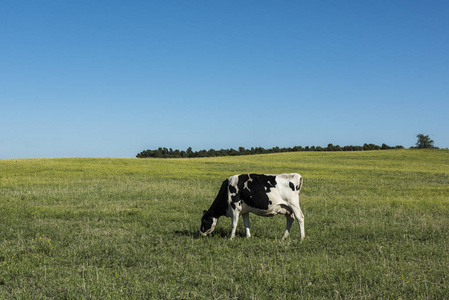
(189, 233)
(218, 232)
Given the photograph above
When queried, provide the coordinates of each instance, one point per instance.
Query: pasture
(377, 226)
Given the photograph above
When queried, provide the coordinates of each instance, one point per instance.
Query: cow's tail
(300, 184)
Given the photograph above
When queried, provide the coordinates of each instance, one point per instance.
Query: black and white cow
(263, 195)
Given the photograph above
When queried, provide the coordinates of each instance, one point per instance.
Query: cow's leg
(235, 219)
(246, 222)
(300, 217)
(290, 220)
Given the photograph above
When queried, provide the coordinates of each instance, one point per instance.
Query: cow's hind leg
(246, 222)
(300, 217)
(290, 220)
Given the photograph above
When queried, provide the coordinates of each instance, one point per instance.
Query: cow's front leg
(235, 218)
(246, 223)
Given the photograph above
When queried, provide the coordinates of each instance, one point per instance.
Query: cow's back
(262, 191)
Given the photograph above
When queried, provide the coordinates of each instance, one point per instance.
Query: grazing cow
(263, 195)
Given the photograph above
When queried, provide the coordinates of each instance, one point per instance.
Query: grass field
(377, 226)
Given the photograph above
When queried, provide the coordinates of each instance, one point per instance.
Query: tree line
(189, 153)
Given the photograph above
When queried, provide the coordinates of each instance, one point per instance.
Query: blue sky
(113, 78)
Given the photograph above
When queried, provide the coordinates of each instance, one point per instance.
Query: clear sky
(113, 78)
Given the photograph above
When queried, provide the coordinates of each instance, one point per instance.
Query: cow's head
(208, 223)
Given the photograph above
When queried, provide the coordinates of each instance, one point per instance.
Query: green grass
(377, 226)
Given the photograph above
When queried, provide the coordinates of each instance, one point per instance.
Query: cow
(263, 195)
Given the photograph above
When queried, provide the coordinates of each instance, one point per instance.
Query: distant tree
(385, 147)
(424, 141)
(260, 150)
(201, 153)
(233, 152)
(243, 151)
(212, 152)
